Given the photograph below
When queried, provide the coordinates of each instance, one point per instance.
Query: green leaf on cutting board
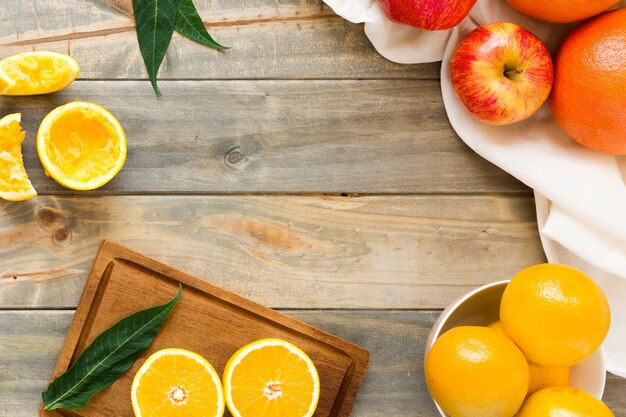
(107, 358)
(189, 24)
(155, 21)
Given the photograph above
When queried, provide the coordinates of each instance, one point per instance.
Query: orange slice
(39, 72)
(271, 378)
(14, 183)
(175, 383)
(81, 145)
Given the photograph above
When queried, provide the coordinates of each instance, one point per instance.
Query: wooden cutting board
(208, 320)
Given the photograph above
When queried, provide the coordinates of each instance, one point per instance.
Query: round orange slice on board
(38, 72)
(81, 145)
(176, 383)
(14, 182)
(271, 378)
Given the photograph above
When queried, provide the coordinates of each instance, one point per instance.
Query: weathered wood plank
(269, 39)
(384, 136)
(394, 384)
(299, 252)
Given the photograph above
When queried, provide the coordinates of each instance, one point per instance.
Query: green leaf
(155, 21)
(107, 358)
(189, 24)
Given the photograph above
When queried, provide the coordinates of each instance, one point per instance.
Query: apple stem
(511, 72)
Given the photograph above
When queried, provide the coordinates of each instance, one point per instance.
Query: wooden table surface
(300, 169)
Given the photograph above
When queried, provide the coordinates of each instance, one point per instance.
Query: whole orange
(562, 11)
(589, 93)
(565, 402)
(474, 371)
(556, 314)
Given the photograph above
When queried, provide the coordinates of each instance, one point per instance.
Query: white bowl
(482, 307)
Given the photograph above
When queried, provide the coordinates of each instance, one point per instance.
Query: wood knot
(235, 158)
(61, 236)
(47, 216)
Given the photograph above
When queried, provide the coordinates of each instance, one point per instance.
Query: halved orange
(81, 145)
(38, 72)
(177, 383)
(14, 182)
(271, 378)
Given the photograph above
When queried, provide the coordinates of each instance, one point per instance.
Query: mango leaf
(107, 358)
(189, 24)
(155, 21)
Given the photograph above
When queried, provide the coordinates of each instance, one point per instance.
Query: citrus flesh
(271, 378)
(175, 383)
(474, 371)
(563, 402)
(589, 93)
(14, 182)
(540, 376)
(562, 11)
(81, 145)
(39, 72)
(556, 314)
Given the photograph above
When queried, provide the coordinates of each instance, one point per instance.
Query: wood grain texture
(269, 39)
(384, 136)
(300, 252)
(394, 384)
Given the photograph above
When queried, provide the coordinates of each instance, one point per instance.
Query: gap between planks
(285, 78)
(282, 309)
(347, 195)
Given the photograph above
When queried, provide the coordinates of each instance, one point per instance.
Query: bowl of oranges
(526, 347)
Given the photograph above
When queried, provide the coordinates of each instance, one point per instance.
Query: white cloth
(580, 194)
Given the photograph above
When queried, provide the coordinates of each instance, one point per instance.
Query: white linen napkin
(580, 194)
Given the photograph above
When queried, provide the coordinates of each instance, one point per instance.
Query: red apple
(502, 73)
(427, 14)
